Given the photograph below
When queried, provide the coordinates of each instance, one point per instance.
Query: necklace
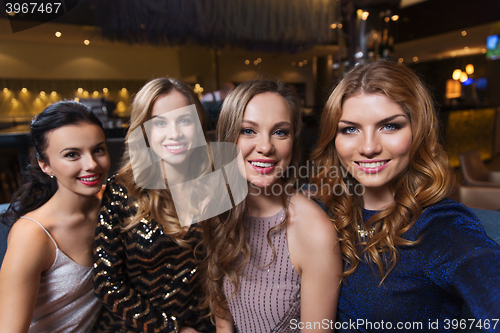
(365, 233)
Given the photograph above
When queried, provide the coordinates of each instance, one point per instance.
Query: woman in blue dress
(412, 257)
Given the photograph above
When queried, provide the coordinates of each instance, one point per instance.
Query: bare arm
(224, 325)
(317, 253)
(29, 252)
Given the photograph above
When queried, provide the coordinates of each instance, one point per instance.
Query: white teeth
(177, 147)
(371, 165)
(89, 179)
(262, 164)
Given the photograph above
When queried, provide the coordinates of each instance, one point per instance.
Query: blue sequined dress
(454, 262)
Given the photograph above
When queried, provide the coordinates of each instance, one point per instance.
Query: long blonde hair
(224, 235)
(425, 181)
(153, 203)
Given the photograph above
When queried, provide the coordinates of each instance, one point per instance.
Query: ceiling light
(415, 59)
(80, 90)
(54, 93)
(58, 34)
(469, 69)
(333, 26)
(364, 16)
(247, 62)
(42, 93)
(104, 90)
(24, 90)
(463, 77)
(456, 74)
(395, 17)
(464, 33)
(86, 42)
(387, 19)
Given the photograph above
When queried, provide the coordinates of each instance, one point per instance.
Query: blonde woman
(273, 262)
(146, 262)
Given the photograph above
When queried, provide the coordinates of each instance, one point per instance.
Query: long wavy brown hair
(425, 181)
(224, 235)
(153, 203)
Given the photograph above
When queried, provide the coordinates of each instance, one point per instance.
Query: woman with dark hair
(146, 253)
(273, 262)
(46, 275)
(412, 257)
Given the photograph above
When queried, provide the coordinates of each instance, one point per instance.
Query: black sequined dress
(147, 282)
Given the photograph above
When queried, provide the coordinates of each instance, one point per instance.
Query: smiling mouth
(175, 147)
(262, 164)
(90, 178)
(372, 164)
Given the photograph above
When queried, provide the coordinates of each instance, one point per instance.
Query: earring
(51, 176)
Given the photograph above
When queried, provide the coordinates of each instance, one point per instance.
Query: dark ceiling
(424, 19)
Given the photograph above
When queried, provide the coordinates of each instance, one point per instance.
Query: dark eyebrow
(383, 121)
(72, 149)
(78, 149)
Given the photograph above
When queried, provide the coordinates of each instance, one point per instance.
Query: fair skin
(266, 143)
(373, 143)
(174, 132)
(78, 159)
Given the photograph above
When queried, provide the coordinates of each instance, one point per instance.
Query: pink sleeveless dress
(66, 301)
(268, 298)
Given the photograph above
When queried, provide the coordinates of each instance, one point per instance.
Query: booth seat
(490, 220)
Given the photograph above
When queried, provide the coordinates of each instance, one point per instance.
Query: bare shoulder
(312, 236)
(29, 243)
(310, 220)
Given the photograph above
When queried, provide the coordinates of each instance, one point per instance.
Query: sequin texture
(147, 282)
(453, 262)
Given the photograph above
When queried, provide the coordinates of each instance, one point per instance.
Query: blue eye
(159, 123)
(348, 130)
(247, 131)
(281, 132)
(391, 127)
(185, 121)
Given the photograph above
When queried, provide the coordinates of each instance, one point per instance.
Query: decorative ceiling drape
(270, 25)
